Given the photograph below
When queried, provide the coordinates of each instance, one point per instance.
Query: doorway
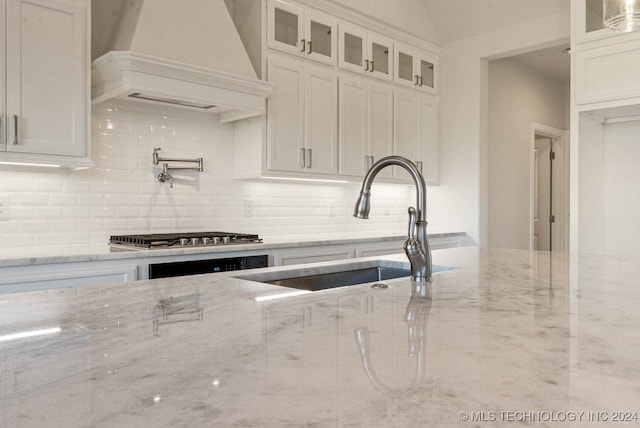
(549, 199)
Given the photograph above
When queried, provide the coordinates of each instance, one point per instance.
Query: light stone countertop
(507, 337)
(85, 253)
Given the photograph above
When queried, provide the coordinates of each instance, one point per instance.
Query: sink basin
(336, 275)
(325, 281)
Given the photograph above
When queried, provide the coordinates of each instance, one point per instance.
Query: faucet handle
(413, 217)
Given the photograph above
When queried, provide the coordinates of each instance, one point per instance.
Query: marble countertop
(507, 338)
(84, 253)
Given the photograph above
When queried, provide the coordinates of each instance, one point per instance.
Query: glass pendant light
(621, 15)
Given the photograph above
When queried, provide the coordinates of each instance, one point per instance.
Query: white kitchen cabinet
(365, 52)
(607, 73)
(301, 118)
(588, 24)
(415, 68)
(42, 277)
(365, 124)
(416, 132)
(296, 256)
(306, 33)
(45, 91)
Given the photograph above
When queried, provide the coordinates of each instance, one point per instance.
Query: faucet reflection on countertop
(416, 316)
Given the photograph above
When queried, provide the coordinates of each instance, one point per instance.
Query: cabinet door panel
(405, 116)
(352, 42)
(285, 115)
(381, 55)
(427, 137)
(380, 123)
(321, 36)
(321, 131)
(353, 125)
(285, 27)
(45, 63)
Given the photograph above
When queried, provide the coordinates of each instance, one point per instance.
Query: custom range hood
(183, 53)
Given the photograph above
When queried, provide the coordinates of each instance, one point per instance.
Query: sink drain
(379, 285)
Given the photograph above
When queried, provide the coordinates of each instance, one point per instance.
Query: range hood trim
(118, 74)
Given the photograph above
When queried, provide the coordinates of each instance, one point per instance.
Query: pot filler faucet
(416, 246)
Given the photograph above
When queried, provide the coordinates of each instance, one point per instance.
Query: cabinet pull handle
(419, 165)
(366, 163)
(309, 158)
(416, 76)
(309, 44)
(420, 81)
(302, 158)
(366, 61)
(16, 139)
(304, 44)
(371, 71)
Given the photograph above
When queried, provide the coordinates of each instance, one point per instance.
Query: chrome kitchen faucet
(416, 246)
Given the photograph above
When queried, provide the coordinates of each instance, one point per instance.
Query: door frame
(560, 185)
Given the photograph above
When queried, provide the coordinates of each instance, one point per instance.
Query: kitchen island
(507, 337)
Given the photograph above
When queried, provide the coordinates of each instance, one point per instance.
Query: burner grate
(159, 240)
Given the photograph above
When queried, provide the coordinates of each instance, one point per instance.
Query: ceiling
(455, 19)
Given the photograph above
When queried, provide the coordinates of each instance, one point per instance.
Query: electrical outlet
(248, 208)
(332, 209)
(4, 207)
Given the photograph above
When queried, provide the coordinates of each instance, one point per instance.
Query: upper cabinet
(301, 120)
(415, 68)
(365, 52)
(300, 32)
(588, 23)
(45, 91)
(348, 90)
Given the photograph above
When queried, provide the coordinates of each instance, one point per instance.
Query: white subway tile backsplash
(123, 195)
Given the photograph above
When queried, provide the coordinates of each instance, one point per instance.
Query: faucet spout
(417, 245)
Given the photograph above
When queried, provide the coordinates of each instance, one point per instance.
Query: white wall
(518, 97)
(122, 195)
(609, 173)
(460, 202)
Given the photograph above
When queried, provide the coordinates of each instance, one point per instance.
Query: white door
(285, 27)
(285, 115)
(543, 193)
(353, 125)
(380, 123)
(427, 137)
(405, 120)
(320, 119)
(45, 62)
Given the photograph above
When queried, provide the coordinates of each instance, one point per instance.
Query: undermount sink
(325, 281)
(333, 276)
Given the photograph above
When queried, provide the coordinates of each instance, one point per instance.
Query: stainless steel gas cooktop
(191, 239)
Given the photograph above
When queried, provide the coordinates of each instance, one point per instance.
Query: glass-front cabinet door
(365, 52)
(588, 22)
(301, 32)
(416, 69)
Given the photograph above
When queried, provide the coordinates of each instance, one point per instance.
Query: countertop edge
(73, 254)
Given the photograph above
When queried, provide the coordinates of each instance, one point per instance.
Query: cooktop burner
(192, 239)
